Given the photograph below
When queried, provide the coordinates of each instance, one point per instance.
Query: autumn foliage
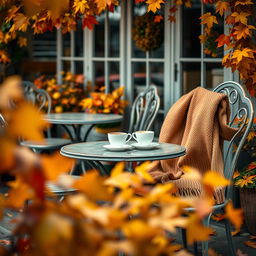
(43, 15)
(106, 215)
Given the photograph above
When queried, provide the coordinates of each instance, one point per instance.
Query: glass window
(191, 74)
(99, 37)
(79, 40)
(114, 33)
(66, 45)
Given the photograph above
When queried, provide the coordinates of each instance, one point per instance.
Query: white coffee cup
(143, 137)
(118, 138)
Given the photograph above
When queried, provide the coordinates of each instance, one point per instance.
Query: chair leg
(230, 238)
(205, 244)
(195, 249)
(184, 238)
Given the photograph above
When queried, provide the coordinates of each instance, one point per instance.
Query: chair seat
(47, 144)
(60, 190)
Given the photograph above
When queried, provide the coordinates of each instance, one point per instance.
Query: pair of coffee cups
(121, 138)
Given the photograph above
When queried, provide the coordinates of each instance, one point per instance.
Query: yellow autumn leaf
(142, 171)
(154, 5)
(208, 19)
(235, 216)
(80, 6)
(240, 17)
(19, 193)
(93, 186)
(221, 7)
(52, 167)
(27, 122)
(118, 169)
(214, 179)
(196, 231)
(10, 90)
(245, 181)
(191, 173)
(22, 41)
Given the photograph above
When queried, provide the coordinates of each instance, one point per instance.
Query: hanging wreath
(147, 34)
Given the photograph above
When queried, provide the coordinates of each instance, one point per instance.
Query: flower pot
(248, 204)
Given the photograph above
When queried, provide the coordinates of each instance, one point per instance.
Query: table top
(95, 151)
(82, 118)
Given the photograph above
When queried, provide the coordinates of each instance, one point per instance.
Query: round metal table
(94, 152)
(76, 120)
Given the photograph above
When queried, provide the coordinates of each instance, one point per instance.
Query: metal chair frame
(144, 109)
(41, 98)
(242, 108)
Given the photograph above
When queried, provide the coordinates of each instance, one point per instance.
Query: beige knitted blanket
(199, 122)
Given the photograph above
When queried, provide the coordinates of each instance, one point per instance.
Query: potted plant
(105, 103)
(66, 96)
(245, 180)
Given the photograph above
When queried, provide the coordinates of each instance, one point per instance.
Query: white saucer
(118, 148)
(146, 146)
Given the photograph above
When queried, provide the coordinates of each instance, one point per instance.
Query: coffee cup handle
(129, 136)
(134, 136)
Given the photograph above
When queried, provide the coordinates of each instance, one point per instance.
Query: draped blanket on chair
(199, 122)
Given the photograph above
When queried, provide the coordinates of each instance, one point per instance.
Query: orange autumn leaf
(240, 54)
(243, 2)
(10, 90)
(92, 185)
(196, 231)
(52, 167)
(235, 216)
(208, 19)
(21, 22)
(89, 21)
(19, 193)
(221, 7)
(242, 31)
(241, 17)
(154, 5)
(214, 179)
(27, 122)
(22, 41)
(222, 40)
(158, 18)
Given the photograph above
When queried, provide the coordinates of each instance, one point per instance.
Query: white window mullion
(169, 62)
(72, 46)
(106, 64)
(203, 67)
(122, 53)
(59, 67)
(129, 88)
(147, 69)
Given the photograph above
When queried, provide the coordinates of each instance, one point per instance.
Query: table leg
(87, 132)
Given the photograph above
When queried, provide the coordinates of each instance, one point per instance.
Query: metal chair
(144, 109)
(41, 99)
(241, 107)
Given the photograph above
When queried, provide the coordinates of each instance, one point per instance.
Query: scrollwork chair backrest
(38, 97)
(144, 109)
(241, 108)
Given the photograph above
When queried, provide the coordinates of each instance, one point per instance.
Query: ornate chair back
(241, 109)
(144, 109)
(38, 97)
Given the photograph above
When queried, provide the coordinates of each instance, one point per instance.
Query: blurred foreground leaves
(107, 214)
